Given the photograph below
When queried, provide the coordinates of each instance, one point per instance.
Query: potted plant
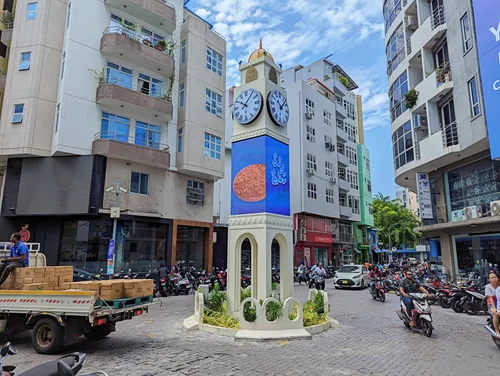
(411, 98)
(343, 80)
(100, 75)
(170, 46)
(161, 45)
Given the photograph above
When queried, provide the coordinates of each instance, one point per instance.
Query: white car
(351, 276)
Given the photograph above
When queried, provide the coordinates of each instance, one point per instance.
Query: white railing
(126, 139)
(408, 46)
(132, 34)
(157, 91)
(450, 134)
(438, 17)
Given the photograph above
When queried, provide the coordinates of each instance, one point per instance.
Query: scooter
(68, 365)
(491, 329)
(319, 282)
(378, 292)
(421, 314)
(475, 303)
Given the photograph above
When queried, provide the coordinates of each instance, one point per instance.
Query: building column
(447, 255)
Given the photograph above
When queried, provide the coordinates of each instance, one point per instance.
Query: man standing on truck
(19, 257)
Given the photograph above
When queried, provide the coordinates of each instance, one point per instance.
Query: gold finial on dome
(259, 52)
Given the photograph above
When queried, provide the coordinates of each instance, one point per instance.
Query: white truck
(59, 318)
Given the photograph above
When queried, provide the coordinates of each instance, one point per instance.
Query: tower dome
(259, 52)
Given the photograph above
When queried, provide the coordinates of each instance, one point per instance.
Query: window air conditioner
(311, 171)
(309, 115)
(411, 22)
(495, 208)
(328, 145)
(333, 180)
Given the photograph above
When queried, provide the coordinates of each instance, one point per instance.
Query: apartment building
(439, 130)
(325, 185)
(127, 113)
(408, 199)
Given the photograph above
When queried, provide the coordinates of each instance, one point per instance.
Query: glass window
(214, 61)
(310, 133)
(309, 107)
(149, 85)
(397, 94)
(311, 191)
(117, 75)
(352, 178)
(402, 145)
(352, 154)
(329, 169)
(466, 33)
(57, 116)
(68, 15)
(474, 99)
(212, 146)
(179, 140)
(391, 10)
(311, 162)
(139, 183)
(195, 193)
(31, 12)
(213, 103)
(147, 135)
(63, 64)
(327, 118)
(330, 195)
(25, 62)
(17, 116)
(114, 127)
(182, 94)
(183, 51)
(395, 49)
(191, 245)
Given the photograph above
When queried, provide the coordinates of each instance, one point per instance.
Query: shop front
(193, 243)
(479, 253)
(315, 240)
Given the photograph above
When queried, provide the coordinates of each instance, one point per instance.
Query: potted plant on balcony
(343, 80)
(443, 74)
(7, 18)
(161, 45)
(170, 46)
(147, 42)
(411, 98)
(100, 75)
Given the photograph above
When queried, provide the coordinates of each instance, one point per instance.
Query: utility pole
(115, 214)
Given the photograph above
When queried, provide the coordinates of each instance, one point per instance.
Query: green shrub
(249, 312)
(274, 310)
(319, 303)
(216, 300)
(220, 319)
(245, 293)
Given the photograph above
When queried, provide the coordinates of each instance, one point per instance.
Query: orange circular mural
(250, 183)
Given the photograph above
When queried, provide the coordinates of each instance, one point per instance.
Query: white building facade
(439, 128)
(136, 98)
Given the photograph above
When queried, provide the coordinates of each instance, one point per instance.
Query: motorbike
(378, 292)
(168, 287)
(421, 314)
(68, 365)
(182, 284)
(475, 302)
(491, 329)
(299, 276)
(319, 282)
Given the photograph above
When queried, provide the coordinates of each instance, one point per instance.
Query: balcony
(131, 149)
(127, 45)
(429, 33)
(3, 77)
(338, 87)
(158, 13)
(342, 135)
(346, 237)
(341, 111)
(344, 185)
(142, 103)
(435, 86)
(342, 159)
(7, 33)
(449, 135)
(346, 212)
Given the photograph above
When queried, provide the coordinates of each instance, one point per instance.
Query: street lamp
(115, 214)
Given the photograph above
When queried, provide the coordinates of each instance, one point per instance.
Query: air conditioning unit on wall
(309, 115)
(473, 212)
(495, 208)
(411, 22)
(311, 171)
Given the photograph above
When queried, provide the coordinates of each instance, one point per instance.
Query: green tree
(394, 220)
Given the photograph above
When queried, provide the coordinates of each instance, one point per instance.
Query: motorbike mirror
(63, 369)
(12, 351)
(5, 349)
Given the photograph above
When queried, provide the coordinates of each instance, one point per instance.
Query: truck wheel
(47, 336)
(98, 332)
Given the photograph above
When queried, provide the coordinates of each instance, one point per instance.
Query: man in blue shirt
(19, 257)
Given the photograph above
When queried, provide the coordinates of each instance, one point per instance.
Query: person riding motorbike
(408, 286)
(163, 271)
(491, 296)
(374, 275)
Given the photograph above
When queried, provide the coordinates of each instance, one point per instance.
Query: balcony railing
(146, 88)
(450, 135)
(443, 73)
(126, 139)
(438, 17)
(408, 45)
(346, 238)
(162, 46)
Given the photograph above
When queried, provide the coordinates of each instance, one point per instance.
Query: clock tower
(260, 181)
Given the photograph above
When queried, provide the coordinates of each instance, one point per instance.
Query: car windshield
(349, 269)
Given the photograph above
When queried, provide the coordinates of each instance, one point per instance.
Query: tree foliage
(392, 216)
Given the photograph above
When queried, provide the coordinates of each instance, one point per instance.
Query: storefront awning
(377, 250)
(357, 250)
(364, 246)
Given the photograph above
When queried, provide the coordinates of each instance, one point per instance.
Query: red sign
(25, 234)
(323, 239)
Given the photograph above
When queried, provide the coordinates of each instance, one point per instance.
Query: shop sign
(487, 22)
(424, 196)
(323, 239)
(458, 215)
(25, 234)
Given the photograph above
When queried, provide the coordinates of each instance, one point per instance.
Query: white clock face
(247, 106)
(277, 106)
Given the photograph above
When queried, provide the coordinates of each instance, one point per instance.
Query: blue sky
(298, 32)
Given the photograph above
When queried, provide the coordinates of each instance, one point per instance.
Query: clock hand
(246, 103)
(281, 107)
